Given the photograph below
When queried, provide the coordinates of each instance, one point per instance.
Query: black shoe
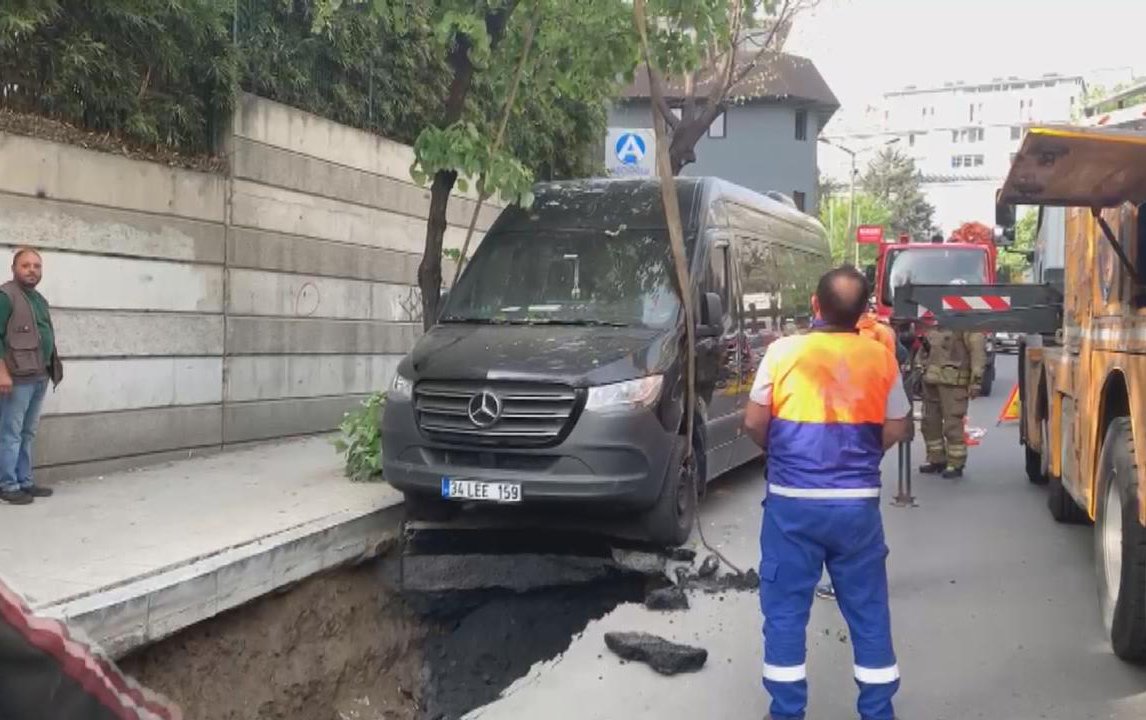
(932, 468)
(953, 473)
(16, 497)
(37, 491)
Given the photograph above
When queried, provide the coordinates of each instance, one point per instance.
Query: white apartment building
(961, 135)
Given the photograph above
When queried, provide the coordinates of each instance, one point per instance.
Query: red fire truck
(967, 257)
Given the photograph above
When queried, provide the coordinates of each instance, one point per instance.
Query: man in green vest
(28, 343)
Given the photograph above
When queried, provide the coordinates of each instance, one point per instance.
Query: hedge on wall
(163, 74)
(158, 72)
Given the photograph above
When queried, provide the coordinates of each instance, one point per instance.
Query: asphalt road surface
(993, 605)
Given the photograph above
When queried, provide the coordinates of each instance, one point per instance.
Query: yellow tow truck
(1082, 367)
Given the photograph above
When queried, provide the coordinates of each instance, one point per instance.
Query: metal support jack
(903, 496)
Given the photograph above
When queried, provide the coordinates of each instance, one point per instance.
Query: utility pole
(852, 208)
(852, 187)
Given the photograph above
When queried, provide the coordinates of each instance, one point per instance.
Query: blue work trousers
(799, 537)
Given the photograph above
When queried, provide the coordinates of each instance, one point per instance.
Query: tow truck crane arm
(1029, 308)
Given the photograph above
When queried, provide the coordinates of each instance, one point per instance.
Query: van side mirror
(711, 316)
(869, 273)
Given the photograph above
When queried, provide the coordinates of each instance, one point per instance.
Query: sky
(866, 47)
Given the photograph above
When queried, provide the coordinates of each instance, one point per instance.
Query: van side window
(760, 288)
(720, 274)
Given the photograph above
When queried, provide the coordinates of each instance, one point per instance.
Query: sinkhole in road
(348, 644)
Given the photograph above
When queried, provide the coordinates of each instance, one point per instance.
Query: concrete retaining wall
(196, 310)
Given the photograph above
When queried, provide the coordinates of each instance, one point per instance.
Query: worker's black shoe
(932, 468)
(16, 497)
(37, 491)
(953, 473)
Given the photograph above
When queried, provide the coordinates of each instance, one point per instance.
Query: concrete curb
(145, 609)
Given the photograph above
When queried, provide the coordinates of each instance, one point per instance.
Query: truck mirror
(1004, 236)
(1005, 216)
(711, 316)
(869, 273)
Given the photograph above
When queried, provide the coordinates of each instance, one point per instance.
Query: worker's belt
(823, 493)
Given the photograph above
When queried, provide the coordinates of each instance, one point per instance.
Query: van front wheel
(670, 520)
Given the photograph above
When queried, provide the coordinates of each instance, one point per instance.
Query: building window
(954, 136)
(956, 161)
(972, 115)
(911, 140)
(800, 199)
(978, 161)
(801, 124)
(717, 129)
(1016, 132)
(982, 132)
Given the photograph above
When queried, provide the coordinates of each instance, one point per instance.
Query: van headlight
(628, 395)
(401, 388)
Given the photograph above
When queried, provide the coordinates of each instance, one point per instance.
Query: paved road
(993, 605)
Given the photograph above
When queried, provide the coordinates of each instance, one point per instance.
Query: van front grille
(494, 413)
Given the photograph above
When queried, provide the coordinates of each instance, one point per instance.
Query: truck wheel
(1038, 463)
(1120, 545)
(1062, 506)
(670, 520)
(988, 382)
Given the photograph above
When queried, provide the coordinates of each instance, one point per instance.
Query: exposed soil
(338, 646)
(19, 123)
(344, 646)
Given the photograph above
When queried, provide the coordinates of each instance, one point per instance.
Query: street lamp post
(852, 187)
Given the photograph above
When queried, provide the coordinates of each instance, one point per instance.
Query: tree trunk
(685, 136)
(430, 269)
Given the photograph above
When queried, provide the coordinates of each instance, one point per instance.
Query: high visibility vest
(829, 403)
(870, 326)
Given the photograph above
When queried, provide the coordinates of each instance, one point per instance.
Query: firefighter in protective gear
(826, 405)
(953, 363)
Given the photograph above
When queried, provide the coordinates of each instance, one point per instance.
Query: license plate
(453, 489)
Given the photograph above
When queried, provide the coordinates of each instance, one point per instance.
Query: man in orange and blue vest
(825, 406)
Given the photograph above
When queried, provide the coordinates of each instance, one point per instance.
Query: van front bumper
(614, 461)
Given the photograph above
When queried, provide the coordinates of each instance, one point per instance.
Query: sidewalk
(136, 556)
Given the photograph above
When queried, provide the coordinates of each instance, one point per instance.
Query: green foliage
(379, 71)
(894, 181)
(360, 439)
(1014, 261)
(159, 72)
(869, 210)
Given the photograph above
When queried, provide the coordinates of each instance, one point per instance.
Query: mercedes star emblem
(485, 409)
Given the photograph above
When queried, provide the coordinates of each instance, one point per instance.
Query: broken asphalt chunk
(667, 658)
(670, 598)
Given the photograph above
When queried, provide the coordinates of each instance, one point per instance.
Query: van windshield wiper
(475, 320)
(577, 323)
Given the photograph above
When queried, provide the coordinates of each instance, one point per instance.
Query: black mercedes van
(555, 373)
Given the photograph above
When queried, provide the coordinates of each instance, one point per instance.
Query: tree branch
(507, 110)
(787, 12)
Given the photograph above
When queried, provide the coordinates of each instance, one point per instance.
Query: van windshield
(930, 265)
(621, 278)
